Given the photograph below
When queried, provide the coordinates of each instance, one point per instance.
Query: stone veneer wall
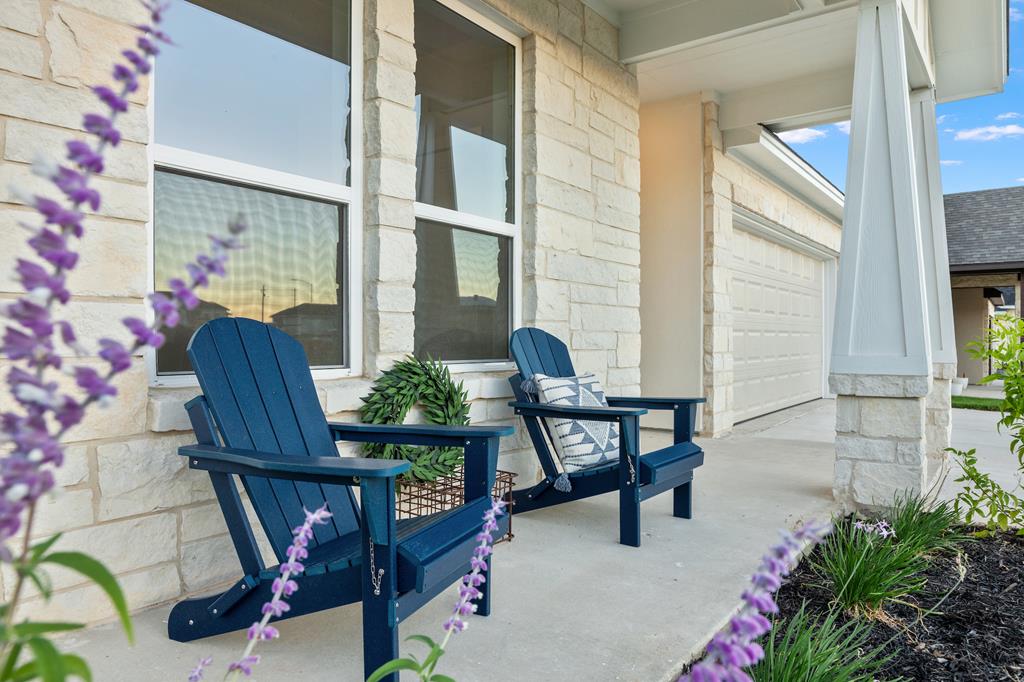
(125, 495)
(728, 183)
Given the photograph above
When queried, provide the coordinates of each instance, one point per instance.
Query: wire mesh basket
(419, 498)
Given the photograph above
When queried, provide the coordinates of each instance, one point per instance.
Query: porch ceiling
(789, 63)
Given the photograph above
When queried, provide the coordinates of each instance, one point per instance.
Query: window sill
(477, 367)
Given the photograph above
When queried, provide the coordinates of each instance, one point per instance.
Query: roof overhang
(789, 63)
(758, 148)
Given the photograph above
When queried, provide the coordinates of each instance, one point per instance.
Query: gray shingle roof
(985, 226)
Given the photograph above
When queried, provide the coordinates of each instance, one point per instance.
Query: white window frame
(351, 196)
(489, 225)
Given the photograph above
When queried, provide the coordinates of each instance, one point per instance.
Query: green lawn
(967, 402)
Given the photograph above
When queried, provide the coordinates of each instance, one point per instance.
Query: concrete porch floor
(571, 603)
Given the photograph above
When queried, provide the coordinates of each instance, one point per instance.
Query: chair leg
(629, 515)
(483, 604)
(682, 501)
(380, 637)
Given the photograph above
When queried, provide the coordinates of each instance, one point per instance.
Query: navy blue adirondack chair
(259, 419)
(637, 477)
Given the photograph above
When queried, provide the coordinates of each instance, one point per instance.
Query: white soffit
(761, 150)
(969, 40)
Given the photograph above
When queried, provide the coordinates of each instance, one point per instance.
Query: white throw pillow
(579, 443)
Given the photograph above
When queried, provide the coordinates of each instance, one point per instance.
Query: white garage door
(778, 326)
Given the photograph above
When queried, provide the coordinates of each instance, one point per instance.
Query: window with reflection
(466, 163)
(462, 293)
(290, 273)
(252, 117)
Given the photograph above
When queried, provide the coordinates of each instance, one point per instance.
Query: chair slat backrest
(257, 382)
(537, 352)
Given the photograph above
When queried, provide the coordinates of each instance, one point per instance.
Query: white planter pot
(958, 385)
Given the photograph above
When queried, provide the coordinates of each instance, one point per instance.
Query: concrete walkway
(569, 602)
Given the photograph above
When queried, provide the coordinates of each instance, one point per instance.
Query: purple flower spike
(468, 592)
(245, 665)
(90, 381)
(144, 334)
(196, 675)
(115, 354)
(735, 648)
(53, 248)
(111, 98)
(102, 127)
(183, 293)
(84, 156)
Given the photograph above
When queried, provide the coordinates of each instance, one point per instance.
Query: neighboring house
(985, 232)
(423, 176)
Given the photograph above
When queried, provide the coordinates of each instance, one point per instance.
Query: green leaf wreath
(428, 383)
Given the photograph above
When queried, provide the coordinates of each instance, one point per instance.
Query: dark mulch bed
(977, 633)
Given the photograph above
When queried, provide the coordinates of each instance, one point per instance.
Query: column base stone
(881, 439)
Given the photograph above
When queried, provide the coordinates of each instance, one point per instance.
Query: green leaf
(12, 660)
(40, 579)
(98, 573)
(39, 549)
(32, 629)
(441, 678)
(423, 639)
(48, 663)
(391, 667)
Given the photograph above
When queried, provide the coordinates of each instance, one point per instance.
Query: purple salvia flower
(102, 127)
(94, 385)
(144, 334)
(468, 592)
(183, 293)
(113, 100)
(165, 309)
(53, 248)
(116, 355)
(282, 587)
(734, 648)
(196, 674)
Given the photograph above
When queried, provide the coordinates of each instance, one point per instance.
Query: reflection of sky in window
(231, 91)
(275, 270)
(476, 261)
(480, 170)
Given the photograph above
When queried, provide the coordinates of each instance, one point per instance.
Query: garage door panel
(777, 326)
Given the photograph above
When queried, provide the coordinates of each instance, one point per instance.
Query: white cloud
(989, 133)
(1008, 115)
(1020, 179)
(939, 120)
(802, 135)
(1016, 14)
(951, 162)
(949, 130)
(844, 127)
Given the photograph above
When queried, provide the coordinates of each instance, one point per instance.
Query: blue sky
(981, 140)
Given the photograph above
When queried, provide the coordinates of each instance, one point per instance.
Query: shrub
(982, 499)
(924, 525)
(862, 569)
(813, 649)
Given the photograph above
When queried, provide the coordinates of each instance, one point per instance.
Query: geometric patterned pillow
(579, 443)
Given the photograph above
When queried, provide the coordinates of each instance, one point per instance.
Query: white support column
(939, 294)
(881, 356)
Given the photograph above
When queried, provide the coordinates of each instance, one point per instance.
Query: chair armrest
(597, 414)
(416, 434)
(343, 470)
(653, 403)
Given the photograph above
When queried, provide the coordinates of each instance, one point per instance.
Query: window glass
(462, 293)
(263, 82)
(290, 273)
(465, 115)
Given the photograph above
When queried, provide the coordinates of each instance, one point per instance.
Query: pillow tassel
(563, 484)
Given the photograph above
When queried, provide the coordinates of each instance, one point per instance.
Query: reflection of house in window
(318, 325)
(172, 357)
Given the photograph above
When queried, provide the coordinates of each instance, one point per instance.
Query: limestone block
(911, 452)
(390, 130)
(592, 293)
(602, 147)
(202, 521)
(208, 562)
(944, 370)
(62, 510)
(91, 605)
(343, 395)
(130, 13)
(21, 54)
(63, 106)
(623, 376)
(387, 80)
(546, 299)
(391, 177)
(21, 15)
(112, 260)
(600, 33)
(166, 409)
(856, 447)
(83, 46)
(75, 468)
(892, 417)
(397, 258)
(582, 340)
(847, 414)
(148, 474)
(119, 200)
(395, 334)
(572, 268)
(875, 484)
(391, 16)
(152, 540)
(554, 193)
(939, 396)
(553, 97)
(628, 294)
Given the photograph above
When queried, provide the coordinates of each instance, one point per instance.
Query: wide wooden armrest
(417, 434)
(597, 414)
(653, 403)
(344, 470)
